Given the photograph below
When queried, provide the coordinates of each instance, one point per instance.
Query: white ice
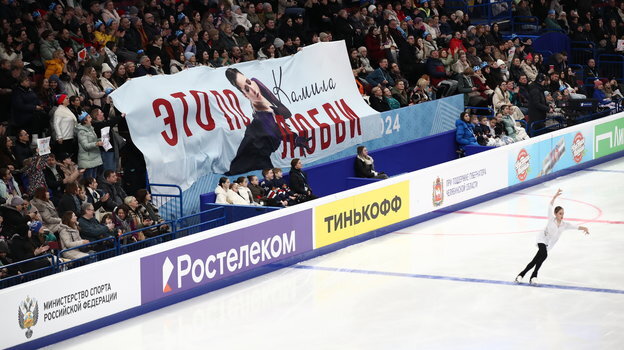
(442, 284)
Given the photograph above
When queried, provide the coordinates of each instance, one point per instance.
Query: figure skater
(546, 239)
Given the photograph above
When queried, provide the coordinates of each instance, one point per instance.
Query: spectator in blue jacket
(600, 95)
(381, 76)
(464, 135)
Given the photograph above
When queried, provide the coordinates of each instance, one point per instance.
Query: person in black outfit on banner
(263, 136)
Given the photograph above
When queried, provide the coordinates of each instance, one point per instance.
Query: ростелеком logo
(167, 269)
(28, 315)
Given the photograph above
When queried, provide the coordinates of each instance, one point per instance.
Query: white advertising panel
(68, 299)
(457, 181)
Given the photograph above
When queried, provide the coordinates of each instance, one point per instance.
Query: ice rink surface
(443, 284)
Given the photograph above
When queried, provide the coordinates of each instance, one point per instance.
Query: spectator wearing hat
(600, 95)
(550, 22)
(64, 123)
(529, 68)
(89, 157)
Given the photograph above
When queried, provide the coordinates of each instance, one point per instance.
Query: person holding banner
(89, 157)
(263, 136)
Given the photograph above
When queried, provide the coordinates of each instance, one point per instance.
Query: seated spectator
(89, 157)
(67, 165)
(7, 157)
(233, 197)
(465, 85)
(399, 92)
(364, 165)
(14, 220)
(267, 181)
(381, 76)
(501, 98)
(511, 129)
(69, 236)
(377, 100)
(70, 201)
(392, 102)
(600, 95)
(124, 223)
(90, 228)
(299, 181)
(8, 185)
(221, 191)
(147, 208)
(47, 211)
(25, 246)
(257, 192)
(139, 220)
(244, 191)
(112, 187)
(464, 134)
(94, 196)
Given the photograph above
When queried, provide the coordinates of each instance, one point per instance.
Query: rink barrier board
(199, 290)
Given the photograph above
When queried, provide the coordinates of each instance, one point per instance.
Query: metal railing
(582, 51)
(27, 270)
(525, 25)
(488, 13)
(170, 206)
(611, 66)
(109, 247)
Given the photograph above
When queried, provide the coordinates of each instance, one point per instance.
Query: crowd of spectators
(60, 61)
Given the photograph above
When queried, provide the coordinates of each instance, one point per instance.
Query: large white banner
(248, 116)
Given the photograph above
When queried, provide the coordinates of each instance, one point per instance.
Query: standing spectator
(64, 125)
(22, 148)
(26, 107)
(92, 86)
(538, 108)
(89, 157)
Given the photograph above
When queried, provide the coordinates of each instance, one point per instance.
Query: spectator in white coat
(64, 124)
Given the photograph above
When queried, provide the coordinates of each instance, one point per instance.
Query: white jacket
(245, 192)
(64, 123)
(221, 195)
(235, 198)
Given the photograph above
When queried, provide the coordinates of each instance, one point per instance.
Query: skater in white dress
(547, 239)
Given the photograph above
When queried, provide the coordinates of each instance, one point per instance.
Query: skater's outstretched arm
(552, 202)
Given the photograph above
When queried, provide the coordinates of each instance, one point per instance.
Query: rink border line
(201, 290)
(456, 279)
